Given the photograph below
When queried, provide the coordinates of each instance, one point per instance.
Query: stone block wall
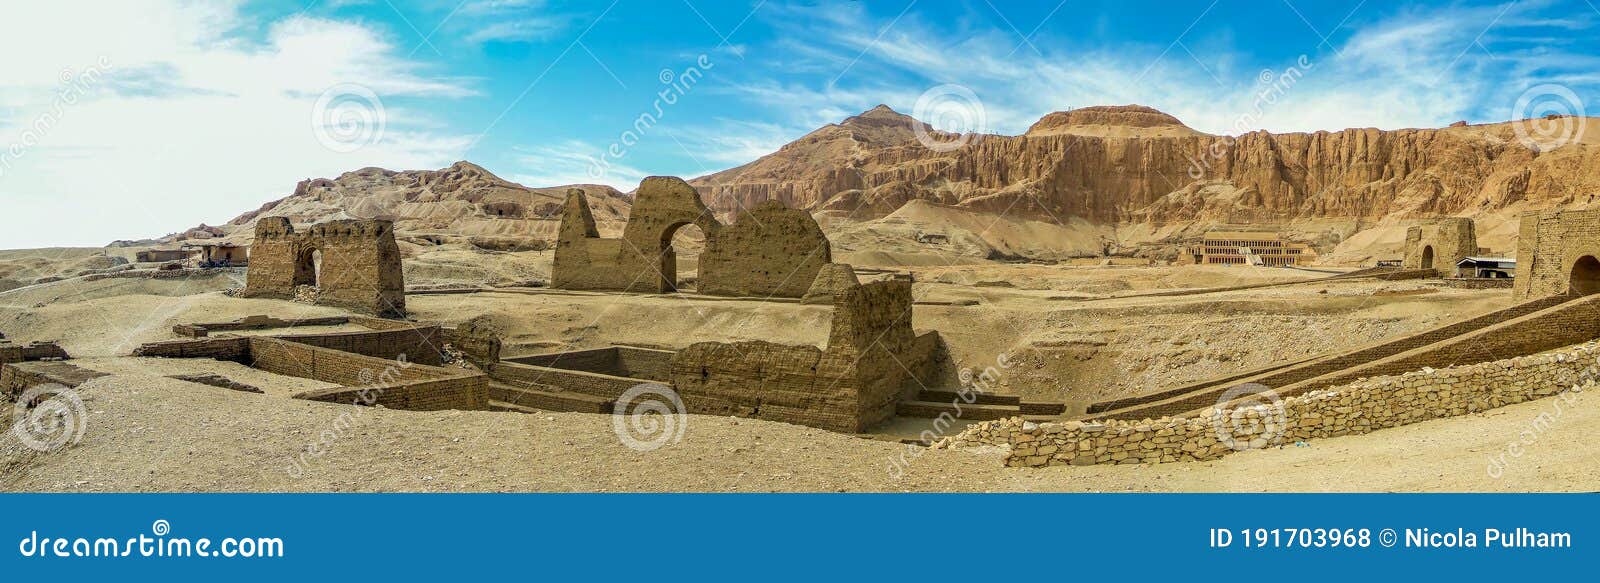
(1352, 409)
(13, 352)
(770, 250)
(1550, 247)
(588, 383)
(235, 348)
(370, 380)
(1449, 240)
(360, 270)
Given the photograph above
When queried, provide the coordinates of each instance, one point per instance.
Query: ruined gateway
(353, 264)
(769, 251)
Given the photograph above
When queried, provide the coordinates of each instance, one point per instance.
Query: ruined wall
(770, 250)
(12, 352)
(1450, 240)
(360, 271)
(851, 386)
(1550, 247)
(419, 343)
(370, 380)
(1357, 408)
(643, 259)
(18, 377)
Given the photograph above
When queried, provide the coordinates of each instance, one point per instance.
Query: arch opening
(1585, 278)
(681, 245)
(1427, 257)
(308, 268)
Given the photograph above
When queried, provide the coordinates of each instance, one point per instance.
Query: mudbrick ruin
(874, 366)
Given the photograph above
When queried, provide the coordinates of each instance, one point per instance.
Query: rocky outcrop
(1133, 164)
(463, 199)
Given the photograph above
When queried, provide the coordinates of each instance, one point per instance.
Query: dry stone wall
(360, 264)
(1357, 408)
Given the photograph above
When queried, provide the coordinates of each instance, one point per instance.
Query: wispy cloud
(513, 21)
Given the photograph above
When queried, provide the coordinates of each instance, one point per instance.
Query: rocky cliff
(1133, 164)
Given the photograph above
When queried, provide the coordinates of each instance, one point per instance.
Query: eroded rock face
(1135, 164)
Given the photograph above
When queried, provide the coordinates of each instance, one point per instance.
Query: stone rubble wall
(1357, 408)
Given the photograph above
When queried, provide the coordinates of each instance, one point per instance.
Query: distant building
(221, 254)
(1488, 267)
(162, 255)
(1247, 248)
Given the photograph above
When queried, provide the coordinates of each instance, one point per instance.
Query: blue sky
(191, 111)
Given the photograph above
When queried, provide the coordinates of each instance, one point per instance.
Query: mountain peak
(1111, 120)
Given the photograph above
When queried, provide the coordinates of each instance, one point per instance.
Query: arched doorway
(681, 245)
(1585, 276)
(1427, 257)
(308, 268)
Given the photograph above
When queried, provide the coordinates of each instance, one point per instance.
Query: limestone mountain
(1145, 171)
(461, 200)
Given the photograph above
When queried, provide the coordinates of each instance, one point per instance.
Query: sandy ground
(146, 433)
(1079, 333)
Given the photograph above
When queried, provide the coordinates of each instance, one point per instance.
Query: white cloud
(513, 21)
(194, 120)
(573, 162)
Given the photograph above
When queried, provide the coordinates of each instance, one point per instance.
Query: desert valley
(1111, 301)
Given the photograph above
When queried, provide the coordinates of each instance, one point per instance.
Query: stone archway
(669, 264)
(1427, 257)
(308, 267)
(1585, 276)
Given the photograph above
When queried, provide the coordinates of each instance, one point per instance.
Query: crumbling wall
(1550, 247)
(643, 259)
(770, 250)
(360, 268)
(13, 352)
(368, 380)
(850, 386)
(1440, 245)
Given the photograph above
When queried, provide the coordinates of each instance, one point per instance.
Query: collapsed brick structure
(1558, 252)
(354, 264)
(395, 365)
(770, 250)
(873, 360)
(1440, 245)
(23, 352)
